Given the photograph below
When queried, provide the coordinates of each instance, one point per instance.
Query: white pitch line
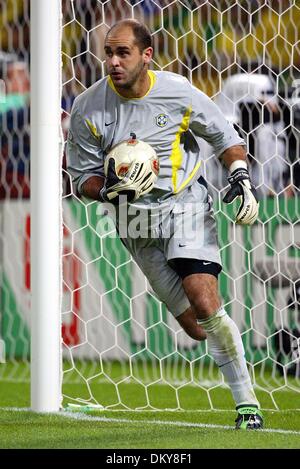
(166, 422)
(89, 418)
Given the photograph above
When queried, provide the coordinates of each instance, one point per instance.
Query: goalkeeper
(166, 111)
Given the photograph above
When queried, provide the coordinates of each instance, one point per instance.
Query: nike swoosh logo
(181, 245)
(206, 263)
(109, 123)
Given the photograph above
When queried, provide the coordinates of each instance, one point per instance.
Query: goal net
(122, 349)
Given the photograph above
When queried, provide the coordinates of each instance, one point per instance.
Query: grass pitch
(20, 428)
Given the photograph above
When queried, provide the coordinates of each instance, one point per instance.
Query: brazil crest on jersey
(171, 117)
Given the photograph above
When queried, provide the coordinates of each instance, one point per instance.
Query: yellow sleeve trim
(183, 185)
(176, 155)
(93, 129)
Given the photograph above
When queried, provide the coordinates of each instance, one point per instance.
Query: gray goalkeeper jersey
(171, 117)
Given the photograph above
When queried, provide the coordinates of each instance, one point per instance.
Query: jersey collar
(152, 77)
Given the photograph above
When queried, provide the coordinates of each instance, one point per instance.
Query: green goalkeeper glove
(134, 184)
(241, 187)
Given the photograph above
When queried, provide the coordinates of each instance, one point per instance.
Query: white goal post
(46, 216)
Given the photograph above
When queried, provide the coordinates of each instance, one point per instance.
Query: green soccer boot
(249, 418)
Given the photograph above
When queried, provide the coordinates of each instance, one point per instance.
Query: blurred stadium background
(121, 347)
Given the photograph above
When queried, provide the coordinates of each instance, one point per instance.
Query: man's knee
(202, 292)
(188, 322)
(197, 333)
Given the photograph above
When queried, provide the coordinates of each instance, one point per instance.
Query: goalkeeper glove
(134, 184)
(241, 187)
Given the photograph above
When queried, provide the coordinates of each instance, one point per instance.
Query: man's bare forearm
(91, 187)
(232, 154)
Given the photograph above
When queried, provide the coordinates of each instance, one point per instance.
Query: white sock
(226, 347)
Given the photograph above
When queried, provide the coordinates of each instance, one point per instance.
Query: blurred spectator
(14, 27)
(249, 102)
(14, 125)
(15, 74)
(286, 341)
(291, 114)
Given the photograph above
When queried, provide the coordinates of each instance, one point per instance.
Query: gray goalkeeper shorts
(183, 226)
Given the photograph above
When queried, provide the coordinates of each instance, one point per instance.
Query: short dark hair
(143, 38)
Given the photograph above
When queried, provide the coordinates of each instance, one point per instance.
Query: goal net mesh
(121, 347)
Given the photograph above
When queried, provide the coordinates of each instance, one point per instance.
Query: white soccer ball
(130, 151)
